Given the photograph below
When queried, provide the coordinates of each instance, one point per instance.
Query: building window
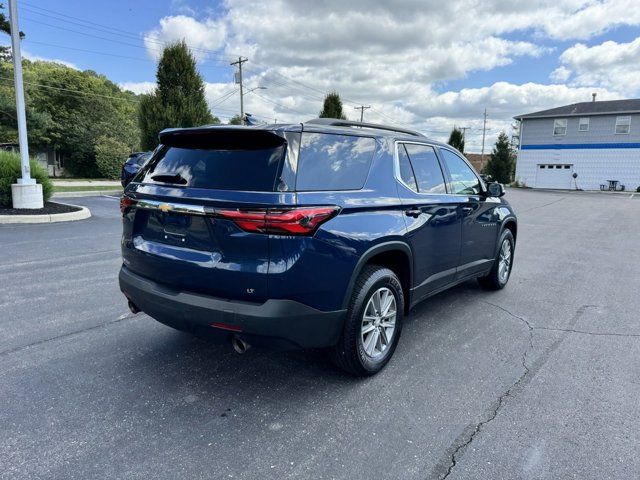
(583, 125)
(560, 126)
(623, 125)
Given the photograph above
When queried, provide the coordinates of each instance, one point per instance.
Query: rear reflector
(296, 221)
(126, 203)
(226, 326)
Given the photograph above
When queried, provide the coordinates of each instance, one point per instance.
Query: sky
(422, 64)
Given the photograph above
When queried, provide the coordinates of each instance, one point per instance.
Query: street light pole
(26, 193)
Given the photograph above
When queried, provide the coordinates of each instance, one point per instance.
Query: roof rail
(336, 122)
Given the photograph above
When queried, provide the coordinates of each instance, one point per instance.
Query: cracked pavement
(537, 381)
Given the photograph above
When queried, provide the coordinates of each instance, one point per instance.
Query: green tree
(332, 107)
(235, 120)
(110, 154)
(69, 110)
(501, 165)
(178, 100)
(456, 139)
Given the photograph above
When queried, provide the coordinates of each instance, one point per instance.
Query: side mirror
(495, 189)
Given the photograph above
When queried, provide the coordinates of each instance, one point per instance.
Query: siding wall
(539, 131)
(594, 165)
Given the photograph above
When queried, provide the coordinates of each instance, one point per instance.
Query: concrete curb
(81, 214)
(87, 193)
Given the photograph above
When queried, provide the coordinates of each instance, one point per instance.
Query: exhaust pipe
(239, 345)
(133, 308)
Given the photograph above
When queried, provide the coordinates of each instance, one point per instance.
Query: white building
(597, 141)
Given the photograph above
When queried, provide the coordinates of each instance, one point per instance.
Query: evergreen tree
(178, 100)
(501, 165)
(456, 139)
(235, 120)
(332, 107)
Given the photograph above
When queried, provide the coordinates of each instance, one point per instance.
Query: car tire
(500, 272)
(364, 347)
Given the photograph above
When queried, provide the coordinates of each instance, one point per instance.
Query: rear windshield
(333, 162)
(218, 169)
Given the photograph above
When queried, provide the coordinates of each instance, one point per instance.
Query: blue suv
(321, 234)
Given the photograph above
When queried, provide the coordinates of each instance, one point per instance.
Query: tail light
(296, 221)
(126, 203)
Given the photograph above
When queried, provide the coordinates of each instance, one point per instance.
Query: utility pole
(26, 193)
(484, 132)
(239, 62)
(362, 108)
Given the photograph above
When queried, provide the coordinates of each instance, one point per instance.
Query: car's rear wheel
(373, 323)
(501, 270)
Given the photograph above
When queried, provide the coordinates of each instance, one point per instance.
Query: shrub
(110, 155)
(10, 171)
(638, 189)
(517, 183)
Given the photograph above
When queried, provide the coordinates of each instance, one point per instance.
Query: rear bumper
(275, 323)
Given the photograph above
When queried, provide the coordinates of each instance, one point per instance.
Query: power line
(220, 100)
(28, 5)
(286, 81)
(140, 59)
(76, 92)
(278, 104)
(111, 31)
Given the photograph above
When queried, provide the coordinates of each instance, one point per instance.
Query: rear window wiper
(175, 178)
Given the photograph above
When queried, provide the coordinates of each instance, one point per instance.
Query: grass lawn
(86, 189)
(64, 179)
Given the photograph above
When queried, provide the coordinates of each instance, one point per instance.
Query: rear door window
(218, 169)
(426, 168)
(463, 180)
(333, 162)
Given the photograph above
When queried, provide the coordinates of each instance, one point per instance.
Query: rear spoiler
(226, 137)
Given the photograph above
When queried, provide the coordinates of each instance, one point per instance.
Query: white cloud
(200, 36)
(392, 55)
(138, 87)
(610, 64)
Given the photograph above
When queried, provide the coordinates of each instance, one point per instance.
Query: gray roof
(588, 108)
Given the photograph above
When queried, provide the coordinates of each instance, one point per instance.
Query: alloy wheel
(379, 322)
(504, 265)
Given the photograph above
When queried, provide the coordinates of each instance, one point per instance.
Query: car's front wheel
(501, 270)
(373, 324)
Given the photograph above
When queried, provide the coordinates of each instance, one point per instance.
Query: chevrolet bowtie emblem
(165, 207)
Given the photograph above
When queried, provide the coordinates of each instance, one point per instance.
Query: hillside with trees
(70, 111)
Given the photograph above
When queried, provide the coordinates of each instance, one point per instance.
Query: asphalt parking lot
(538, 381)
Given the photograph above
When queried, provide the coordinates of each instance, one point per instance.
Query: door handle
(413, 212)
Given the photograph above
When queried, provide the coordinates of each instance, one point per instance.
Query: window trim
(588, 123)
(566, 125)
(396, 168)
(483, 187)
(413, 172)
(615, 130)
